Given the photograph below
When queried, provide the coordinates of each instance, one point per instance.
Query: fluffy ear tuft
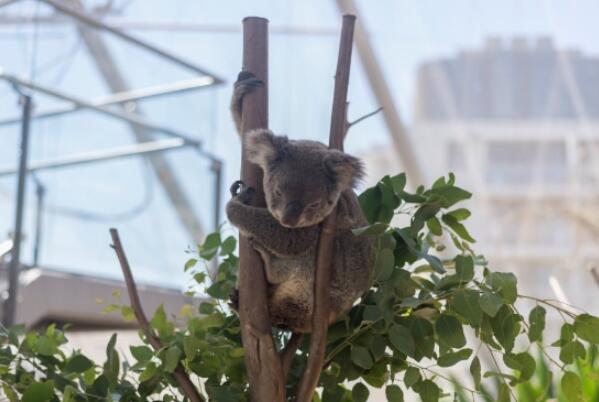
(262, 146)
(345, 169)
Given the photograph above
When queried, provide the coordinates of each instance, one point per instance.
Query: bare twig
(287, 354)
(180, 375)
(360, 119)
(320, 319)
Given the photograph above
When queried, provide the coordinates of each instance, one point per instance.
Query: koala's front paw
(245, 196)
(235, 187)
(246, 83)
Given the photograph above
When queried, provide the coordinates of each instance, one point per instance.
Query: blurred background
(130, 128)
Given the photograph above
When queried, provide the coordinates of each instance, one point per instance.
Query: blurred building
(518, 124)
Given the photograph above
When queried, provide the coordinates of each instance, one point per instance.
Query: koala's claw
(246, 83)
(245, 195)
(247, 80)
(235, 187)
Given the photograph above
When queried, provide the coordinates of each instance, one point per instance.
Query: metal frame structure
(143, 129)
(121, 97)
(102, 155)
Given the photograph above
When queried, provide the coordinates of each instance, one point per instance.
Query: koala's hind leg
(246, 83)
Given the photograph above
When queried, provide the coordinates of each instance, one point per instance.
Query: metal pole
(10, 305)
(40, 192)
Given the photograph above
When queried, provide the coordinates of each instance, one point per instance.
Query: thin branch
(180, 375)
(595, 274)
(367, 115)
(320, 318)
(289, 351)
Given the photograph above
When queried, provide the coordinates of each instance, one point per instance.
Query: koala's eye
(313, 205)
(277, 192)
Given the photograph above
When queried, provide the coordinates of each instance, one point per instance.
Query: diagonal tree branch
(320, 319)
(185, 384)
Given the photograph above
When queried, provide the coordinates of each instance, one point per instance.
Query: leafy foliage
(427, 294)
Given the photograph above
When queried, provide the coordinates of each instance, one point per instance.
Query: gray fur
(303, 182)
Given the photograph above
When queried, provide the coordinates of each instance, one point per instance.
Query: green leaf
(505, 283)
(191, 344)
(586, 327)
(536, 320)
(466, 304)
(210, 247)
(360, 393)
(371, 313)
(450, 332)
(457, 227)
(141, 353)
(428, 391)
(161, 323)
(100, 386)
(460, 214)
(522, 362)
(423, 333)
(199, 277)
(361, 357)
(171, 358)
(572, 387)
(571, 351)
(394, 393)
(433, 261)
(411, 377)
(127, 313)
(398, 182)
(434, 226)
(384, 264)
(237, 353)
(450, 195)
(190, 264)
(78, 364)
(149, 372)
(506, 326)
(464, 266)
(228, 246)
(401, 339)
(451, 358)
(38, 392)
(490, 303)
(475, 371)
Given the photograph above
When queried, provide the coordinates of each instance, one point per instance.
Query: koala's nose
(292, 212)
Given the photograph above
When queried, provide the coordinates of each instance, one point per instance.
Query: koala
(303, 183)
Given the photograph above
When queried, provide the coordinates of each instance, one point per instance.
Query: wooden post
(263, 365)
(320, 320)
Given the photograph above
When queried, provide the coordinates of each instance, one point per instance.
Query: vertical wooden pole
(263, 365)
(320, 320)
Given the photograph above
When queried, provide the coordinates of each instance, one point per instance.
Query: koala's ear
(344, 169)
(263, 146)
